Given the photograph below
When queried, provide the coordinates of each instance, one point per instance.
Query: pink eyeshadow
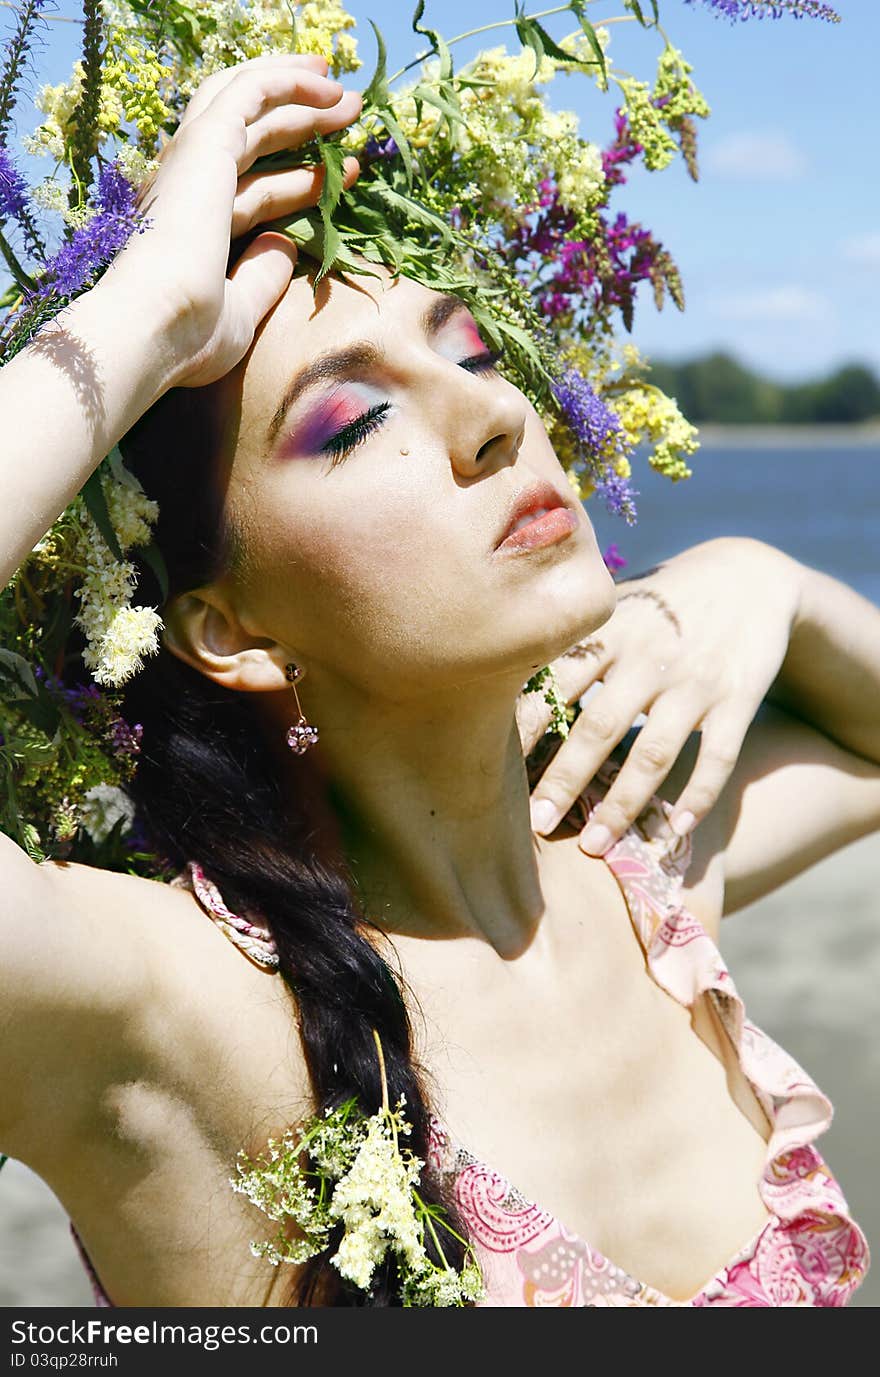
(472, 335)
(331, 416)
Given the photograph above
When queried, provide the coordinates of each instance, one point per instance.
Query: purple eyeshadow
(351, 400)
(331, 415)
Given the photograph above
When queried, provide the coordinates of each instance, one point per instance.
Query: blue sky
(779, 243)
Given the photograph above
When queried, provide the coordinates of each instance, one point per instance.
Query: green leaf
(402, 142)
(377, 91)
(152, 556)
(31, 838)
(413, 211)
(553, 49)
(16, 669)
(42, 712)
(636, 8)
(449, 108)
(116, 465)
(96, 502)
(529, 37)
(307, 232)
(590, 34)
(333, 157)
(437, 41)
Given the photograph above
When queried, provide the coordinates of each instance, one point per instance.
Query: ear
(202, 629)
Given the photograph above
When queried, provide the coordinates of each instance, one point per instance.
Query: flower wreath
(469, 182)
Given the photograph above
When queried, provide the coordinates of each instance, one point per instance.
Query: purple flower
(376, 148)
(546, 192)
(115, 193)
(614, 559)
(618, 497)
(13, 187)
(126, 740)
(600, 434)
(623, 150)
(592, 422)
(761, 9)
(92, 246)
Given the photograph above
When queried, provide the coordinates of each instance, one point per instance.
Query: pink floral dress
(809, 1252)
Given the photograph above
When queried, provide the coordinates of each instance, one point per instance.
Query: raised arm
(68, 397)
(166, 313)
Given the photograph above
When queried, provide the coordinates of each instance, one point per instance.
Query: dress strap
(254, 939)
(649, 865)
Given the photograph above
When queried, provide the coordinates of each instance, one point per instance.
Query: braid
(207, 789)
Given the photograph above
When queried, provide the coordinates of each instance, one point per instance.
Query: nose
(484, 421)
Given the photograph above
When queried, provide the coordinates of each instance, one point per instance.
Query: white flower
(118, 635)
(131, 634)
(103, 806)
(374, 1197)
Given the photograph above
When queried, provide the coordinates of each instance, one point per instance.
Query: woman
(565, 1016)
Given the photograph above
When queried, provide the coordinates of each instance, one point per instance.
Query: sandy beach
(806, 960)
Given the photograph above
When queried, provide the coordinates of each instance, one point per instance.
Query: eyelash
(346, 440)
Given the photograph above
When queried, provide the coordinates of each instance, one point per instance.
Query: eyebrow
(362, 355)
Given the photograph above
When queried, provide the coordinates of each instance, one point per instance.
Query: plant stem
(23, 278)
(377, 1040)
(437, 1243)
(87, 110)
(483, 28)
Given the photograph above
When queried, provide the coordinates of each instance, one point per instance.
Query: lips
(528, 504)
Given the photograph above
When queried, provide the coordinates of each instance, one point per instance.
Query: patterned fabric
(810, 1252)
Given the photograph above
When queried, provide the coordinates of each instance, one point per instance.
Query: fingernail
(545, 814)
(682, 824)
(597, 838)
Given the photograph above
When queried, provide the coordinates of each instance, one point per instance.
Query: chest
(599, 1097)
(575, 1076)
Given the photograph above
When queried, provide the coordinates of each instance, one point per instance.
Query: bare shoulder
(82, 960)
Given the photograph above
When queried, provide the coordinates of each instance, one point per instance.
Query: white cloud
(783, 305)
(862, 249)
(766, 155)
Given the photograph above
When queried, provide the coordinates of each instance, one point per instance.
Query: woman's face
(375, 468)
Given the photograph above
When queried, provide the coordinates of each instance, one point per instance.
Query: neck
(429, 805)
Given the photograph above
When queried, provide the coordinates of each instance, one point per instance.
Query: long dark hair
(207, 788)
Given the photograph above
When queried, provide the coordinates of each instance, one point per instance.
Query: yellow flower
(321, 26)
(135, 73)
(647, 414)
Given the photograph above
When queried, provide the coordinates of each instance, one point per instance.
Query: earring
(302, 734)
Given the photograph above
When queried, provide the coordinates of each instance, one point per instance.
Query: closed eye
(340, 445)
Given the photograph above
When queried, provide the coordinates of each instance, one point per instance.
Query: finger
(259, 277)
(269, 195)
(653, 754)
(218, 81)
(575, 671)
(199, 176)
(603, 722)
(721, 742)
(291, 125)
(254, 92)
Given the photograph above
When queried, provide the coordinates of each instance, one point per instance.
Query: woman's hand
(694, 644)
(201, 198)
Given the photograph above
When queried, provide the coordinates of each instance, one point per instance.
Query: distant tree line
(718, 388)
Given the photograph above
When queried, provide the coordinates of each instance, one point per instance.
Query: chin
(570, 602)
